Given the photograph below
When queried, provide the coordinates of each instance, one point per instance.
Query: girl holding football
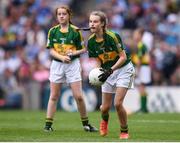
(107, 49)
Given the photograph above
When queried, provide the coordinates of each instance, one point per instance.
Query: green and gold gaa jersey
(141, 55)
(107, 51)
(65, 42)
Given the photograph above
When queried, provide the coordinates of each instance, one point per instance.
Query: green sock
(85, 121)
(124, 129)
(49, 122)
(105, 117)
(144, 103)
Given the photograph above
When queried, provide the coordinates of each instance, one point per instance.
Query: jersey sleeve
(50, 39)
(119, 43)
(79, 41)
(142, 50)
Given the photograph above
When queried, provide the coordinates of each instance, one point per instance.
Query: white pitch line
(156, 121)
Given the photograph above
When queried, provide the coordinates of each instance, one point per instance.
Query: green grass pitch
(23, 126)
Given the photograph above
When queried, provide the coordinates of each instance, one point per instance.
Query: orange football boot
(124, 135)
(103, 128)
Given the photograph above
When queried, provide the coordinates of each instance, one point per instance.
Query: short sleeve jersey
(141, 54)
(65, 42)
(107, 51)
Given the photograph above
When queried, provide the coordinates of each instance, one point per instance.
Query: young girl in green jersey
(107, 49)
(141, 60)
(65, 44)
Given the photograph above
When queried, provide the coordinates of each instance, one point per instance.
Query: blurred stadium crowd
(24, 24)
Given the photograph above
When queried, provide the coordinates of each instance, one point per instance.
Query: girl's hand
(66, 59)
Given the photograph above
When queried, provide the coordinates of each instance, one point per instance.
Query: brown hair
(140, 31)
(67, 9)
(103, 17)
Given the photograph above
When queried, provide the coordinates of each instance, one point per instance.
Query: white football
(93, 77)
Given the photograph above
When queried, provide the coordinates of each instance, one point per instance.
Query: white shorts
(144, 75)
(122, 77)
(63, 72)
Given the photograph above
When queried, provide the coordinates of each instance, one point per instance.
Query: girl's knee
(79, 98)
(54, 97)
(104, 108)
(117, 105)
